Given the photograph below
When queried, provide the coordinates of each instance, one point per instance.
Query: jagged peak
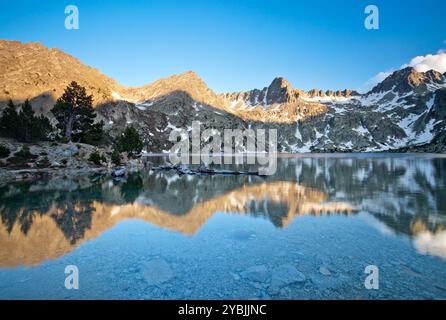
(280, 91)
(434, 75)
(407, 79)
(280, 82)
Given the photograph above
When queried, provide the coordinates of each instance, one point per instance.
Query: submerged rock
(256, 273)
(283, 276)
(157, 272)
(235, 276)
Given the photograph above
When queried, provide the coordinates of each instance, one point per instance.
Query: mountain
(188, 82)
(33, 71)
(406, 110)
(409, 80)
(158, 108)
(277, 103)
(280, 91)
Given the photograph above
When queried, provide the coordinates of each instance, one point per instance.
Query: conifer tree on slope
(75, 116)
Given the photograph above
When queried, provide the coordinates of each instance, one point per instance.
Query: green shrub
(116, 157)
(4, 151)
(21, 157)
(23, 153)
(97, 158)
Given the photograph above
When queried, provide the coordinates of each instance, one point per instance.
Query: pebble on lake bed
(324, 271)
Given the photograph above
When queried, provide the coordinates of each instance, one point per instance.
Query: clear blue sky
(234, 44)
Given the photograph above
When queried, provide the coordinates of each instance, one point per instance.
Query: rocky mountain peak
(188, 83)
(185, 77)
(434, 76)
(407, 80)
(280, 91)
(280, 83)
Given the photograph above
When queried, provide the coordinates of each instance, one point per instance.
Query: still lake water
(307, 232)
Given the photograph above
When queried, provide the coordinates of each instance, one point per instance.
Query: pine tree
(75, 115)
(42, 127)
(130, 142)
(24, 125)
(86, 130)
(5, 152)
(27, 123)
(9, 121)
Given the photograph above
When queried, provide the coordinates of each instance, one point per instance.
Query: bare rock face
(438, 110)
(33, 71)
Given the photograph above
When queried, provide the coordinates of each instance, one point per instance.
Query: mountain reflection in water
(402, 194)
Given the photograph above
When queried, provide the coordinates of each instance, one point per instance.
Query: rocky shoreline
(48, 160)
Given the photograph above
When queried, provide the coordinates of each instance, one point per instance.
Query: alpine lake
(318, 228)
